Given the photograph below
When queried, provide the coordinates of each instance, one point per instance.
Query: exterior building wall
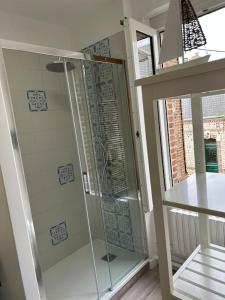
(176, 135)
(214, 128)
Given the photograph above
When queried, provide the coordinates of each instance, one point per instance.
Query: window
(213, 108)
(211, 23)
(145, 55)
(178, 112)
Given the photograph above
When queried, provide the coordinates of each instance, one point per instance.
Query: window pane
(211, 24)
(213, 107)
(145, 54)
(188, 136)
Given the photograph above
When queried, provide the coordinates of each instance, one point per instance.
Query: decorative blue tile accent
(66, 174)
(122, 207)
(124, 224)
(109, 206)
(100, 48)
(37, 100)
(103, 48)
(110, 220)
(126, 241)
(58, 233)
(113, 237)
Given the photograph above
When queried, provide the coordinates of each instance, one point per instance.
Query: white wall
(103, 22)
(142, 8)
(18, 28)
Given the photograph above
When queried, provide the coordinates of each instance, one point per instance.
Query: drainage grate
(109, 257)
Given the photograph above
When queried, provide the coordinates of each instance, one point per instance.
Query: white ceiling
(55, 11)
(68, 12)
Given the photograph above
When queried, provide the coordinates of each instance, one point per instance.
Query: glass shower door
(73, 129)
(48, 147)
(80, 111)
(110, 171)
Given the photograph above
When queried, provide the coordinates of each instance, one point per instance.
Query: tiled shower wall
(49, 154)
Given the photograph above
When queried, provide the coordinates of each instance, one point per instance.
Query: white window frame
(131, 27)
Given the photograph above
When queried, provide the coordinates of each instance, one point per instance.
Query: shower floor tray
(73, 277)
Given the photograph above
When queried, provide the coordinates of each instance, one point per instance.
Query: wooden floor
(147, 287)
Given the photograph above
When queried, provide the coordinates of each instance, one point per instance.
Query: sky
(213, 26)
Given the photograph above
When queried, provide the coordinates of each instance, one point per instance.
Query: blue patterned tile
(109, 205)
(110, 220)
(107, 90)
(122, 207)
(66, 174)
(103, 48)
(126, 241)
(124, 224)
(113, 237)
(58, 233)
(37, 100)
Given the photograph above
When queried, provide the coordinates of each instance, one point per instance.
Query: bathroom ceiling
(68, 12)
(55, 11)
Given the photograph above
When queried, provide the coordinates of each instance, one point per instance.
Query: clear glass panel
(145, 54)
(92, 186)
(118, 238)
(51, 161)
(213, 107)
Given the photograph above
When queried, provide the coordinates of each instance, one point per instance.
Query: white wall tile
(47, 141)
(51, 257)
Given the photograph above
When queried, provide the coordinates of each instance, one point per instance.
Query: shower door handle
(14, 140)
(86, 183)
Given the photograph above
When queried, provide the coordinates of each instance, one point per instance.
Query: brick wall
(176, 136)
(176, 140)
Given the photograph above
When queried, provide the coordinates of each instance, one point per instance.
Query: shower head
(58, 66)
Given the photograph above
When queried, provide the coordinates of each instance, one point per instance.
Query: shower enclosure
(72, 133)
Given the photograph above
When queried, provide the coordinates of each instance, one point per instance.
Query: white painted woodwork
(195, 292)
(207, 271)
(199, 151)
(202, 192)
(201, 272)
(160, 213)
(131, 27)
(201, 78)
